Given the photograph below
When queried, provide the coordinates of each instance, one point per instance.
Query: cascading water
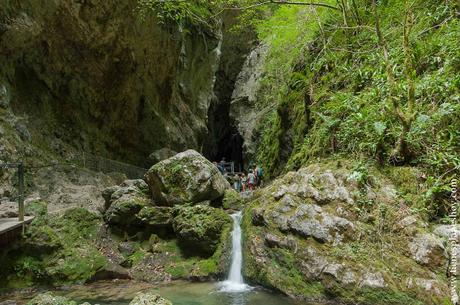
(235, 282)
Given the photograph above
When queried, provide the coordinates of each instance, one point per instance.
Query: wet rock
(149, 298)
(428, 250)
(50, 299)
(187, 177)
(199, 228)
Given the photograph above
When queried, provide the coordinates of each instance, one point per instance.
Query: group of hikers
(242, 182)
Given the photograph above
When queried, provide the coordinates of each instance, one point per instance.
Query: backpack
(260, 172)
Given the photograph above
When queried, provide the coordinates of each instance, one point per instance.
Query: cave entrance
(224, 140)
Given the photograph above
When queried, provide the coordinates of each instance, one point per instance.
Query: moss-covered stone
(149, 299)
(199, 228)
(232, 200)
(50, 299)
(187, 177)
(59, 250)
(354, 270)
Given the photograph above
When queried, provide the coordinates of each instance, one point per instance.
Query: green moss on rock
(199, 228)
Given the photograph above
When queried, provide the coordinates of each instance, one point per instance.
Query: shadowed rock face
(92, 74)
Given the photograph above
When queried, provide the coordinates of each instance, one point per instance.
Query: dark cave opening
(224, 140)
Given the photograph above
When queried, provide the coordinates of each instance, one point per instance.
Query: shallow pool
(180, 293)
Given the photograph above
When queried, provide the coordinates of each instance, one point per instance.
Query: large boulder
(317, 235)
(129, 207)
(149, 298)
(187, 177)
(199, 228)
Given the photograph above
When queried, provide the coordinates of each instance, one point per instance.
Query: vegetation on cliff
(377, 81)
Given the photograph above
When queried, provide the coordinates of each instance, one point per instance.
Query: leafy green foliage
(333, 70)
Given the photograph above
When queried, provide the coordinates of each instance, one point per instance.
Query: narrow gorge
(233, 152)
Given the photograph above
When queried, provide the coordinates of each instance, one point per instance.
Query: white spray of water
(235, 282)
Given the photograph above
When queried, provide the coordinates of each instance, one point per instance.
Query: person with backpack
(260, 175)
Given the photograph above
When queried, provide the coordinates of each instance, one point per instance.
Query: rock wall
(92, 74)
(244, 109)
(224, 139)
(324, 233)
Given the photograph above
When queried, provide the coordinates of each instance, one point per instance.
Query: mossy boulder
(199, 228)
(308, 235)
(56, 250)
(187, 177)
(50, 299)
(123, 212)
(232, 200)
(149, 298)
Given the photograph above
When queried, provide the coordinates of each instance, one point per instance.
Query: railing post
(21, 190)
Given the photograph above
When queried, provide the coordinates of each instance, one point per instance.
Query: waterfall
(235, 282)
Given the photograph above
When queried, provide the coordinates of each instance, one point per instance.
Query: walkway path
(8, 224)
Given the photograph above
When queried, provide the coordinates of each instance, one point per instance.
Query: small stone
(127, 248)
(50, 299)
(149, 298)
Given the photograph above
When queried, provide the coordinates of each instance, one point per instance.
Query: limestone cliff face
(92, 74)
(244, 109)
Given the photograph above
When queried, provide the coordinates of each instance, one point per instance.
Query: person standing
(260, 175)
(237, 183)
(244, 181)
(251, 180)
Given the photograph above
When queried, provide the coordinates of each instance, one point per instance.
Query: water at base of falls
(235, 282)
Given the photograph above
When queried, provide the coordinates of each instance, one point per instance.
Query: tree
(407, 115)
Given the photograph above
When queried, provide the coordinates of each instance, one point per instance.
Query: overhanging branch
(242, 8)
